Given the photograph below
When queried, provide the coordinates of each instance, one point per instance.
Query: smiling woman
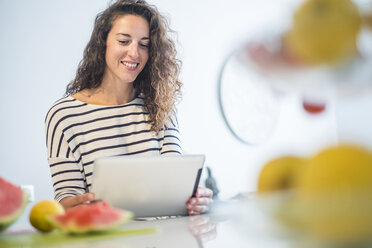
(121, 102)
(161, 67)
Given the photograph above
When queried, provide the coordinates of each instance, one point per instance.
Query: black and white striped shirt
(77, 133)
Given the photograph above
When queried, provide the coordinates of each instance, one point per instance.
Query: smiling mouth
(130, 65)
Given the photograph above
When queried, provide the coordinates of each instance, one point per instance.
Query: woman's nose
(133, 50)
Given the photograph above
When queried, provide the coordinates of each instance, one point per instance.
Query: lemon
(40, 211)
(324, 31)
(334, 198)
(280, 174)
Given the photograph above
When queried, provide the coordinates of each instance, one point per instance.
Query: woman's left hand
(200, 203)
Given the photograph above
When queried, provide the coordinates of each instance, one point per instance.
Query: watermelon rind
(73, 228)
(6, 221)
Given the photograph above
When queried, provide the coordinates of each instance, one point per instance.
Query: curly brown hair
(158, 82)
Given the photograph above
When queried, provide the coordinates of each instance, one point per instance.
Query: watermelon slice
(12, 203)
(94, 217)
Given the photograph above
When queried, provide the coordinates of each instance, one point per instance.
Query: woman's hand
(200, 203)
(73, 201)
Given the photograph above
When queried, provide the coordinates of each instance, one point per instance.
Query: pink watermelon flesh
(12, 203)
(98, 216)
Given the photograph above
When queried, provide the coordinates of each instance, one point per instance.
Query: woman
(120, 103)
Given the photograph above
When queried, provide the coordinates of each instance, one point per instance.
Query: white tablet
(149, 186)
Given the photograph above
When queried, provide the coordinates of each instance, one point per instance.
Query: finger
(196, 211)
(80, 199)
(204, 201)
(201, 201)
(204, 192)
(191, 212)
(191, 201)
(85, 198)
(199, 209)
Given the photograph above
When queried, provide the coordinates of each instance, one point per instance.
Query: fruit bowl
(320, 50)
(279, 220)
(325, 199)
(322, 47)
(333, 218)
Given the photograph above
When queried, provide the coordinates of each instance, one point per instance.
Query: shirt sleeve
(172, 143)
(66, 177)
(66, 172)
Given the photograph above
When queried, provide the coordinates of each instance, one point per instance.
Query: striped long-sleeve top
(77, 133)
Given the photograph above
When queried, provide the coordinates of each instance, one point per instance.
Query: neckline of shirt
(137, 99)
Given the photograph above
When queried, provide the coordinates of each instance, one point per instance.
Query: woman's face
(127, 48)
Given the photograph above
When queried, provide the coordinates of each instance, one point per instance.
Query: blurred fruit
(343, 167)
(12, 203)
(334, 198)
(41, 211)
(94, 217)
(313, 107)
(324, 31)
(280, 174)
(367, 20)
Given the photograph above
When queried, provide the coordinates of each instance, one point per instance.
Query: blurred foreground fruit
(343, 168)
(367, 20)
(313, 107)
(12, 203)
(324, 31)
(40, 212)
(333, 200)
(280, 174)
(335, 191)
(94, 217)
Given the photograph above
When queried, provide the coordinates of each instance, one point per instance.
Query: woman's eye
(123, 41)
(144, 45)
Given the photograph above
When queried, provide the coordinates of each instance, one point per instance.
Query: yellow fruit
(334, 198)
(367, 20)
(324, 31)
(341, 168)
(40, 212)
(280, 174)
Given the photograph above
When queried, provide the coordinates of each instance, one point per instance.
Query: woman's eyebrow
(129, 36)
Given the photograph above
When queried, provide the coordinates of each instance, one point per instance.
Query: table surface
(227, 225)
(217, 229)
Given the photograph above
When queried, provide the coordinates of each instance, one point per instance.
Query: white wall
(42, 42)
(208, 32)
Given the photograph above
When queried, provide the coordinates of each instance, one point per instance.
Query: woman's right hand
(73, 201)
